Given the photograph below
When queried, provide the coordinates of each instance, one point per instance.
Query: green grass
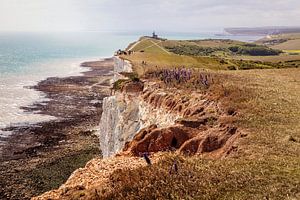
(149, 45)
(241, 49)
(157, 58)
(155, 61)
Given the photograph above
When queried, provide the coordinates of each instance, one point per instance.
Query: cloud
(167, 15)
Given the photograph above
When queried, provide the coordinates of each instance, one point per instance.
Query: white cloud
(172, 15)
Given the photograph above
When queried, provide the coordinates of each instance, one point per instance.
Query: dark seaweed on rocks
(37, 158)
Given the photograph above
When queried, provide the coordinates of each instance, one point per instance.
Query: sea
(27, 58)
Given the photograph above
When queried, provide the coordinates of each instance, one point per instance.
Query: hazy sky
(133, 15)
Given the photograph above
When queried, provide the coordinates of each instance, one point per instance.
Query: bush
(194, 50)
(223, 62)
(119, 83)
(234, 49)
(254, 50)
(131, 75)
(231, 67)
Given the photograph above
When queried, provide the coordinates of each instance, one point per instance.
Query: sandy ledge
(40, 157)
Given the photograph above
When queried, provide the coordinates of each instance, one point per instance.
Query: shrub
(231, 67)
(254, 50)
(119, 83)
(194, 50)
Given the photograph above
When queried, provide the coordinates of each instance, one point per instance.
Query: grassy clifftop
(208, 54)
(264, 163)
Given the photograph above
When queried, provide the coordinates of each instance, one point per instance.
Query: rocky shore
(40, 157)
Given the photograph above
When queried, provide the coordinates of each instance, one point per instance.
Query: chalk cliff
(124, 115)
(174, 120)
(150, 119)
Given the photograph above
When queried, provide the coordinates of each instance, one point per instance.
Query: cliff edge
(149, 120)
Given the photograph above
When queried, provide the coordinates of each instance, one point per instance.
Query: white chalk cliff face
(124, 114)
(120, 66)
(119, 122)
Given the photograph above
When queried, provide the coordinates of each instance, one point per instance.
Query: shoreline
(18, 91)
(40, 157)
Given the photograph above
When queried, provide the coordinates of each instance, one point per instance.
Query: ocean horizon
(27, 58)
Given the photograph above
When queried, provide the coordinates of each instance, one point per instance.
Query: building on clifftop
(154, 35)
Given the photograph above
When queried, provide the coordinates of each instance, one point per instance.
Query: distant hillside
(262, 30)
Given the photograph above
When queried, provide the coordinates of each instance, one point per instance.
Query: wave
(15, 92)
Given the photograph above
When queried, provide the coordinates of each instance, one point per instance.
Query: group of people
(122, 52)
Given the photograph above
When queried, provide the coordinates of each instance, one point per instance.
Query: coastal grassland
(291, 44)
(266, 162)
(265, 165)
(156, 58)
(209, 54)
(157, 61)
(148, 45)
(198, 178)
(272, 59)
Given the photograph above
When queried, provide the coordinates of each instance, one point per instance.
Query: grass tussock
(198, 178)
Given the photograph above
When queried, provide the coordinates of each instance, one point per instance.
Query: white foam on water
(14, 91)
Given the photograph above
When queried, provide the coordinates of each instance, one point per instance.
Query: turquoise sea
(26, 58)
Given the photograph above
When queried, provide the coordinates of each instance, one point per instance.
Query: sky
(141, 15)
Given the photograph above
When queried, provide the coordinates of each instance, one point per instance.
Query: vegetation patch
(242, 49)
(119, 84)
(131, 75)
(194, 50)
(51, 175)
(196, 178)
(254, 50)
